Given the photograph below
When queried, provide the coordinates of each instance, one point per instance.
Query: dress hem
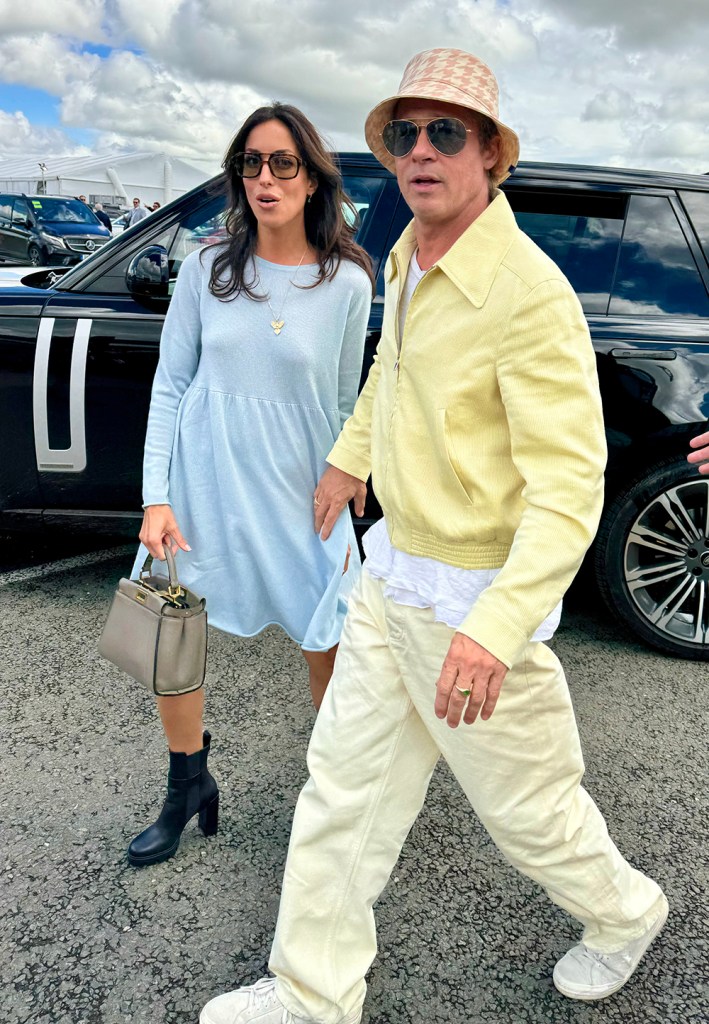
(274, 622)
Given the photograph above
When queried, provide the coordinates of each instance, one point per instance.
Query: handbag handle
(174, 589)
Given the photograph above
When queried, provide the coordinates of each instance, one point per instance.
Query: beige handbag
(156, 631)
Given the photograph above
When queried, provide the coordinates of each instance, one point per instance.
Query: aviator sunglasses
(446, 134)
(281, 165)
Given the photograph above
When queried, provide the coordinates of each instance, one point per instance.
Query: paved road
(86, 939)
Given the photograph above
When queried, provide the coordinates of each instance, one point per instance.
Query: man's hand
(160, 528)
(468, 666)
(335, 488)
(702, 454)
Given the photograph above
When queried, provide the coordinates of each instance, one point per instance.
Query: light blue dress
(240, 423)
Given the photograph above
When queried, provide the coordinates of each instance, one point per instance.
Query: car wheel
(651, 559)
(34, 254)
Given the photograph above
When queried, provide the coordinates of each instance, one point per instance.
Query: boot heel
(208, 820)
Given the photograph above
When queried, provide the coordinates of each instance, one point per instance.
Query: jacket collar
(474, 259)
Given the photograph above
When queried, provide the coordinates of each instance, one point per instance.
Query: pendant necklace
(278, 322)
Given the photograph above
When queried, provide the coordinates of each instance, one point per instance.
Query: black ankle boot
(190, 790)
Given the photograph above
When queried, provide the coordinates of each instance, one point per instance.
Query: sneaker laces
(262, 996)
(615, 963)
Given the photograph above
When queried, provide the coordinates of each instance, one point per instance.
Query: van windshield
(66, 211)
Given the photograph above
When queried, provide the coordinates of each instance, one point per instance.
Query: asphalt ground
(464, 939)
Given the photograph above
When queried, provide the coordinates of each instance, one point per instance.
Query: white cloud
(637, 24)
(44, 61)
(597, 82)
(20, 138)
(79, 19)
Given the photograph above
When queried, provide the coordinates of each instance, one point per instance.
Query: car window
(62, 211)
(364, 193)
(5, 210)
(205, 226)
(656, 270)
(580, 232)
(697, 205)
(21, 212)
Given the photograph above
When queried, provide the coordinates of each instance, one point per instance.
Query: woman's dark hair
(327, 229)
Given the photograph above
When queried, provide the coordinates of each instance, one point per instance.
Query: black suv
(78, 352)
(47, 230)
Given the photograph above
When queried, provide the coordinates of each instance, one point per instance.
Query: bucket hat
(450, 76)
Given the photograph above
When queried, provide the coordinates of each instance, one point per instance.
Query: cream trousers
(371, 757)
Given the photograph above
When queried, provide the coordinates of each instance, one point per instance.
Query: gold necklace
(278, 322)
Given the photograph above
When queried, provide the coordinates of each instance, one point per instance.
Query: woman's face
(276, 202)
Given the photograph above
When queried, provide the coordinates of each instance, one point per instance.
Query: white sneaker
(258, 1003)
(587, 974)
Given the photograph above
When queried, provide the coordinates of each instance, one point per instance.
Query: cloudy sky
(619, 82)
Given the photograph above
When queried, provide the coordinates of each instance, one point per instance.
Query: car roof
(571, 173)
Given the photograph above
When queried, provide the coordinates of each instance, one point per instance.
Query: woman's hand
(160, 528)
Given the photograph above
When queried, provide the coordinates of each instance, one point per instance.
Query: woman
(260, 360)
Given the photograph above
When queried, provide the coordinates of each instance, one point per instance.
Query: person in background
(260, 362)
(469, 423)
(102, 216)
(155, 206)
(138, 213)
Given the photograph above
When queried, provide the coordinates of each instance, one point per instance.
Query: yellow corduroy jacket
(482, 426)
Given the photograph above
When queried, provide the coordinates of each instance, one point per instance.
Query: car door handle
(73, 458)
(664, 356)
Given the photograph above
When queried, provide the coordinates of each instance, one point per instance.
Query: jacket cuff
(349, 462)
(502, 639)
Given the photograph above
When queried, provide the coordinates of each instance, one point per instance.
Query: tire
(34, 254)
(651, 559)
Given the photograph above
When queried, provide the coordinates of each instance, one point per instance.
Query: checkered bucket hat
(450, 76)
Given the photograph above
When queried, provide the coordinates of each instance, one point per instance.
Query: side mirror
(148, 273)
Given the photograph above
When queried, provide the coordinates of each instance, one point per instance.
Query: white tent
(109, 179)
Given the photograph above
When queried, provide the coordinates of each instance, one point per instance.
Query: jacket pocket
(453, 476)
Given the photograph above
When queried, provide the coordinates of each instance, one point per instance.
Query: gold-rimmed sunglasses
(447, 135)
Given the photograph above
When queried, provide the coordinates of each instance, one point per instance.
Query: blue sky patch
(98, 48)
(38, 106)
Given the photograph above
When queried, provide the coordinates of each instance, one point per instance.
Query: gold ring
(465, 693)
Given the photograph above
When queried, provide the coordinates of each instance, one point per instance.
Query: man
(82, 198)
(137, 214)
(481, 423)
(102, 215)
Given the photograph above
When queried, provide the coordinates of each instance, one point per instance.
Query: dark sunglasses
(446, 134)
(281, 165)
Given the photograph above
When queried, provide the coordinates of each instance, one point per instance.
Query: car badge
(90, 245)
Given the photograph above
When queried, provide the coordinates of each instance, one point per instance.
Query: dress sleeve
(180, 347)
(352, 350)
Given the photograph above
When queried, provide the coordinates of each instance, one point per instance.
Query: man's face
(136, 202)
(82, 198)
(444, 190)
